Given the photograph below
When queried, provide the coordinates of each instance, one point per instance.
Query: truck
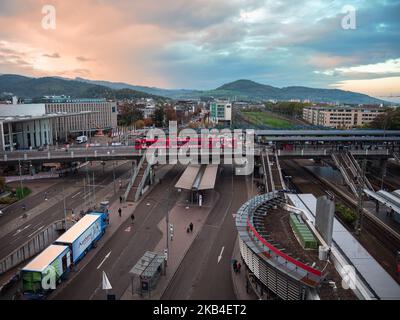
(81, 139)
(84, 234)
(54, 260)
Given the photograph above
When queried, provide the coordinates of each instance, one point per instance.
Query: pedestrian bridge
(129, 153)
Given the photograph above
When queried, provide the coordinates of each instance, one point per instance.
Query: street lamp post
(115, 189)
(20, 178)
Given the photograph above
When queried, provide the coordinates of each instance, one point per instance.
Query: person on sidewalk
(191, 227)
(132, 217)
(234, 265)
(120, 212)
(120, 199)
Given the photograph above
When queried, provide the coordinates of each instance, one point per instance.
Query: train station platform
(374, 281)
(390, 199)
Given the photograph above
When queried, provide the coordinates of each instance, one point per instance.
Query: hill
(247, 89)
(26, 87)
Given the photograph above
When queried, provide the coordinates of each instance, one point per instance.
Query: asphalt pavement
(202, 274)
(125, 247)
(72, 184)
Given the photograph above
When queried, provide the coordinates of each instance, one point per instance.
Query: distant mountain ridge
(26, 87)
(244, 88)
(239, 89)
(250, 90)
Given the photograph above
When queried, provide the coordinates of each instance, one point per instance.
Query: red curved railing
(283, 255)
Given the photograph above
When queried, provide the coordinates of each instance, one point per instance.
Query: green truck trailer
(52, 263)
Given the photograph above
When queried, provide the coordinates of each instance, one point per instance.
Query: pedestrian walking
(234, 265)
(238, 267)
(191, 227)
(132, 217)
(120, 212)
(328, 254)
(120, 199)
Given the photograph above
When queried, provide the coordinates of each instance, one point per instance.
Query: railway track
(380, 240)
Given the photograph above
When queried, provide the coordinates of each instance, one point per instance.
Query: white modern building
(221, 111)
(23, 126)
(26, 126)
(99, 114)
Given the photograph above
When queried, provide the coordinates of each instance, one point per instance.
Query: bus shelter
(146, 273)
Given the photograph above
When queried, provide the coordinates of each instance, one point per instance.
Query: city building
(341, 116)
(99, 114)
(33, 125)
(221, 112)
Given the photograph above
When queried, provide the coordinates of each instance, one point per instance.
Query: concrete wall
(29, 109)
(324, 218)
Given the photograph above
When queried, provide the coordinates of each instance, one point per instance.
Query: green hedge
(22, 193)
(346, 214)
(8, 200)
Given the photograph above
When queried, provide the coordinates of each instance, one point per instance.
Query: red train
(144, 143)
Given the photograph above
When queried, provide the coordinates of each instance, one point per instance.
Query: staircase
(351, 171)
(136, 182)
(272, 173)
(396, 156)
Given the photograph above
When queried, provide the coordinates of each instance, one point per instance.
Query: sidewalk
(240, 279)
(115, 222)
(243, 291)
(181, 215)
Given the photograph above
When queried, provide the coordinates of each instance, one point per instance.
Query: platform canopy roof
(198, 177)
(209, 177)
(188, 177)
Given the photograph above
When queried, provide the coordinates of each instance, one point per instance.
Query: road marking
(20, 230)
(76, 194)
(220, 255)
(104, 260)
(35, 231)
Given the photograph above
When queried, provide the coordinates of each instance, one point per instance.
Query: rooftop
(279, 230)
(44, 259)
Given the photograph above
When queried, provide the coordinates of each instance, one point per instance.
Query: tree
(148, 122)
(139, 124)
(158, 117)
(130, 114)
(389, 120)
(170, 114)
(2, 183)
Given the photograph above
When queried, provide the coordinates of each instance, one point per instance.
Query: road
(200, 275)
(125, 247)
(22, 232)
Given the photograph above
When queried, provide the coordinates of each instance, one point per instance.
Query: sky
(197, 44)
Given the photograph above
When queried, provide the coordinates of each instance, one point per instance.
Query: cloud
(201, 44)
(381, 69)
(83, 59)
(54, 55)
(375, 87)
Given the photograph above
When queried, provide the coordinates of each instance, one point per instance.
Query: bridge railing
(33, 246)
